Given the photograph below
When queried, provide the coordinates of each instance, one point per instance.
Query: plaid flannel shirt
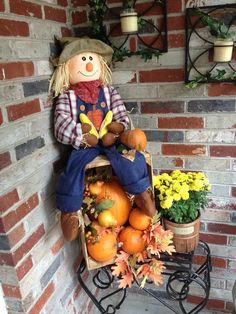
(66, 128)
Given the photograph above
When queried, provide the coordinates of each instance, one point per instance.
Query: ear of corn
(84, 119)
(105, 122)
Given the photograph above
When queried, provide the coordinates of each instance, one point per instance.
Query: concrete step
(140, 303)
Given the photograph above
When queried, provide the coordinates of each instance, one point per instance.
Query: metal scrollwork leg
(102, 280)
(178, 285)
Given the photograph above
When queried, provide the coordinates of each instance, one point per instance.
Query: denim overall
(133, 175)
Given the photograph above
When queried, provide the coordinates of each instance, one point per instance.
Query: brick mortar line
(206, 171)
(24, 239)
(22, 141)
(25, 18)
(24, 160)
(28, 39)
(192, 130)
(23, 60)
(18, 204)
(191, 99)
(44, 3)
(25, 79)
(23, 100)
(26, 119)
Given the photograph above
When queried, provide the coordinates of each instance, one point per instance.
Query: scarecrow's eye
(84, 58)
(90, 58)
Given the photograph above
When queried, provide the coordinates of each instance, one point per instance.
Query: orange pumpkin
(139, 220)
(135, 139)
(104, 249)
(121, 207)
(132, 240)
(95, 188)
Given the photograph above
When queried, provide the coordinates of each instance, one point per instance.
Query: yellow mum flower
(199, 175)
(167, 203)
(162, 189)
(176, 197)
(175, 173)
(184, 195)
(176, 186)
(166, 177)
(197, 185)
(168, 192)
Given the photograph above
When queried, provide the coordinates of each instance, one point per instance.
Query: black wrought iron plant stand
(180, 273)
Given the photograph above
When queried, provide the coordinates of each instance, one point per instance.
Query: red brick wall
(37, 268)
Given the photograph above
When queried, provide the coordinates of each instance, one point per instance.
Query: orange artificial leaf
(146, 236)
(156, 278)
(122, 256)
(119, 268)
(153, 248)
(141, 256)
(126, 280)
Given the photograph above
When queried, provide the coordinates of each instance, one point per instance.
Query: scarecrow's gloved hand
(109, 139)
(114, 130)
(85, 127)
(115, 127)
(88, 139)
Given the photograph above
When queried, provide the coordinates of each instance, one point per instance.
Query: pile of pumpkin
(112, 222)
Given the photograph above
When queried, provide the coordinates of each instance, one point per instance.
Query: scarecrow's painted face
(84, 67)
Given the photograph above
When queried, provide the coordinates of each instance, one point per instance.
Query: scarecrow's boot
(70, 225)
(145, 202)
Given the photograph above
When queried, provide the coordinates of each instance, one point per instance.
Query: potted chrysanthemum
(180, 198)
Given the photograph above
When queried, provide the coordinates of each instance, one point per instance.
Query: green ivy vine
(219, 76)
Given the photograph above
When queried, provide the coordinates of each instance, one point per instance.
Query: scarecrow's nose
(89, 67)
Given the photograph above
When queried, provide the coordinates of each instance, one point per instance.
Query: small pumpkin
(104, 249)
(106, 219)
(138, 220)
(135, 139)
(132, 240)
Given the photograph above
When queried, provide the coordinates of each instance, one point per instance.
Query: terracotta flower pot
(223, 51)
(185, 236)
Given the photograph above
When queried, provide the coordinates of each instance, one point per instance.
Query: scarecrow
(86, 104)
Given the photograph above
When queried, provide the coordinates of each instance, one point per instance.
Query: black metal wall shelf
(151, 38)
(199, 64)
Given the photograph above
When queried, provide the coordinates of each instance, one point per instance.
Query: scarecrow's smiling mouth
(88, 74)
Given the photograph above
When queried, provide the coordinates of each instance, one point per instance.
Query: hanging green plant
(98, 10)
(217, 27)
